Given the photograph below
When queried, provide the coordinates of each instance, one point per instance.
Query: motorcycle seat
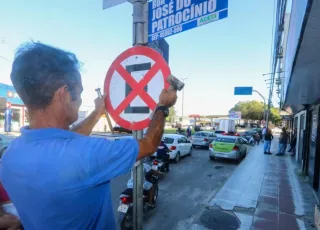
(129, 192)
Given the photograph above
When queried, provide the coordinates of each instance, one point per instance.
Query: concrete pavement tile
(269, 193)
(197, 227)
(247, 203)
(263, 224)
(223, 204)
(287, 222)
(245, 227)
(266, 206)
(286, 206)
(266, 215)
(269, 200)
(245, 219)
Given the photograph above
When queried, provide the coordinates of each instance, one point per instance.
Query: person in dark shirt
(268, 137)
(283, 141)
(162, 153)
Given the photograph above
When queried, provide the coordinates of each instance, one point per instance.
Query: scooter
(125, 208)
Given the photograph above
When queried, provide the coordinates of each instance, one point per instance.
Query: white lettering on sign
(165, 16)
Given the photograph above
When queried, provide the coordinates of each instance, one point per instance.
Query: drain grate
(218, 167)
(219, 220)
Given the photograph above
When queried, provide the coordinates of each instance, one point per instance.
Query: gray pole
(139, 37)
(182, 99)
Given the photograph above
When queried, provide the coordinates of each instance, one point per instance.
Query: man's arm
(148, 145)
(85, 127)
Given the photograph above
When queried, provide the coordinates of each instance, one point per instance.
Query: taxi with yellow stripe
(231, 147)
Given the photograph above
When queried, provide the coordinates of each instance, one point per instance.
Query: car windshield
(201, 134)
(168, 140)
(225, 140)
(219, 131)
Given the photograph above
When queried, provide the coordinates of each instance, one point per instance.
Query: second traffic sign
(133, 84)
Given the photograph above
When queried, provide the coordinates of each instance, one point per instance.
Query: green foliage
(253, 110)
(172, 114)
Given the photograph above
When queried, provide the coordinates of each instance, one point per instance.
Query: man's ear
(62, 94)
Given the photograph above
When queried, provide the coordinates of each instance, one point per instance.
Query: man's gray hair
(39, 70)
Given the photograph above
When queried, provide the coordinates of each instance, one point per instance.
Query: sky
(214, 58)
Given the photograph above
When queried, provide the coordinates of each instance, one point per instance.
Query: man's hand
(9, 221)
(85, 127)
(168, 97)
(100, 107)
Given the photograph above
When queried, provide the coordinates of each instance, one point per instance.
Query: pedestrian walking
(264, 132)
(189, 132)
(268, 137)
(283, 141)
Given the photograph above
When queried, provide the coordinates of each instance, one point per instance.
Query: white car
(179, 146)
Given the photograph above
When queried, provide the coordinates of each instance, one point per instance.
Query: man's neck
(44, 119)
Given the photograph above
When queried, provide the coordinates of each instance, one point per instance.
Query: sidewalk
(264, 192)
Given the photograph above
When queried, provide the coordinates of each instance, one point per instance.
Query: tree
(253, 110)
(250, 110)
(172, 115)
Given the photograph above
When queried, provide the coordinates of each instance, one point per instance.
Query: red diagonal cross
(137, 87)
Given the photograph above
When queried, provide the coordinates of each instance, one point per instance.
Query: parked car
(4, 143)
(179, 146)
(248, 134)
(231, 147)
(203, 139)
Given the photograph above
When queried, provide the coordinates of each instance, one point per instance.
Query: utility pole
(183, 79)
(270, 94)
(139, 38)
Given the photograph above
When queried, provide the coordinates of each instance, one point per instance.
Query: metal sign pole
(140, 37)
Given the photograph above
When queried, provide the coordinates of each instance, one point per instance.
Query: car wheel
(177, 158)
(239, 159)
(190, 152)
(212, 158)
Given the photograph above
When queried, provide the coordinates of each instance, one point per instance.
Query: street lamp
(264, 104)
(183, 79)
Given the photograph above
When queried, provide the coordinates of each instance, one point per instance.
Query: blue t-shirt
(61, 180)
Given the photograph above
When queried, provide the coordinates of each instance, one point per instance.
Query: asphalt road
(184, 192)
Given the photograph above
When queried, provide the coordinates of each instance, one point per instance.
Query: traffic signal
(8, 105)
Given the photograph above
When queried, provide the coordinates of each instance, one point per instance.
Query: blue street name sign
(169, 17)
(243, 90)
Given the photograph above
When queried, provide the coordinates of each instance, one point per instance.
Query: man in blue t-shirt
(60, 178)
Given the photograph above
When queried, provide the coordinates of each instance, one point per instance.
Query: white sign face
(139, 109)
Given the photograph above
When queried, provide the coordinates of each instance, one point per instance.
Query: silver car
(203, 139)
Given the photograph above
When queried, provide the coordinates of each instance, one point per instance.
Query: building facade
(19, 115)
(300, 78)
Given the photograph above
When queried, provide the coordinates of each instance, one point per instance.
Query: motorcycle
(125, 208)
(159, 165)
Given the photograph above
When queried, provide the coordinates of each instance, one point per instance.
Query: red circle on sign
(137, 87)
